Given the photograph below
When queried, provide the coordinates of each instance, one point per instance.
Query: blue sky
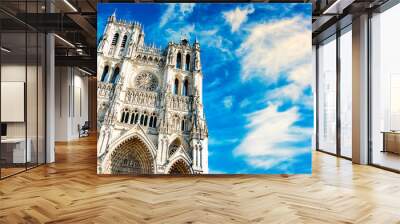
(256, 61)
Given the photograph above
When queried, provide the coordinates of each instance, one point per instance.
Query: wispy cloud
(302, 75)
(237, 16)
(299, 80)
(174, 34)
(280, 49)
(290, 91)
(275, 47)
(222, 141)
(244, 103)
(212, 171)
(213, 40)
(228, 102)
(273, 137)
(214, 83)
(176, 12)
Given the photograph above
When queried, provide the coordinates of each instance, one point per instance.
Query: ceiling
(332, 15)
(74, 21)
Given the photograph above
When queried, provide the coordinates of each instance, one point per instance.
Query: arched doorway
(132, 157)
(180, 167)
(174, 146)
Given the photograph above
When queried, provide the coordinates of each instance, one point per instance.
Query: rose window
(146, 81)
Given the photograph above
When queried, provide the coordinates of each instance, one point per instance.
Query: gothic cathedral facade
(150, 104)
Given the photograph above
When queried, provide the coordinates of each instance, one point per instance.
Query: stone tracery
(146, 81)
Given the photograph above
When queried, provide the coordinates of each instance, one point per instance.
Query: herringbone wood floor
(69, 191)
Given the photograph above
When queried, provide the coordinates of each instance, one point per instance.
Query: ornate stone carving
(197, 65)
(146, 81)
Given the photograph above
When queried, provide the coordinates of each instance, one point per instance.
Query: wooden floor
(387, 159)
(69, 191)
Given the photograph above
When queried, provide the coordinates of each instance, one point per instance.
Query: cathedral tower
(150, 106)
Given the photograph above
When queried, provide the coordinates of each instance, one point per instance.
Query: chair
(84, 130)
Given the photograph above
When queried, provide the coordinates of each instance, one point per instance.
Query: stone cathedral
(150, 108)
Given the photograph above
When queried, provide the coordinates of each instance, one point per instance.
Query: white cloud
(280, 48)
(186, 8)
(275, 47)
(244, 103)
(175, 35)
(176, 12)
(212, 39)
(224, 141)
(212, 171)
(302, 75)
(299, 78)
(214, 83)
(167, 14)
(272, 136)
(228, 102)
(237, 16)
(291, 91)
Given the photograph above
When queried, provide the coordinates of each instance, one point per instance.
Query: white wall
(71, 102)
(16, 73)
(34, 125)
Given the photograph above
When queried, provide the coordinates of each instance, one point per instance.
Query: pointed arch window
(155, 122)
(124, 39)
(105, 72)
(115, 76)
(176, 86)
(187, 64)
(136, 118)
(183, 125)
(145, 120)
(201, 157)
(127, 117)
(122, 117)
(141, 119)
(185, 88)
(115, 39)
(151, 122)
(179, 60)
(132, 118)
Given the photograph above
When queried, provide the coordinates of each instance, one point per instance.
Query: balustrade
(181, 103)
(104, 89)
(142, 98)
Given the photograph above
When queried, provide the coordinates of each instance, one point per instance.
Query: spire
(113, 17)
(114, 13)
(196, 43)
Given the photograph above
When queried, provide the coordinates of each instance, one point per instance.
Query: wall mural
(204, 88)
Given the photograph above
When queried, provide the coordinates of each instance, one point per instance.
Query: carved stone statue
(197, 61)
(170, 56)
